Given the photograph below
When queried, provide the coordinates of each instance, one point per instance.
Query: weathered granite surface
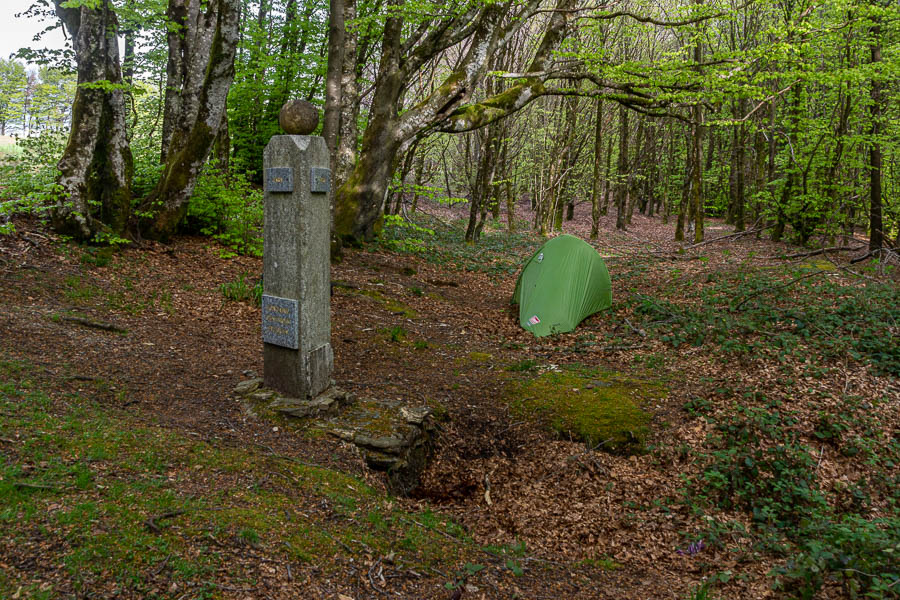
(297, 355)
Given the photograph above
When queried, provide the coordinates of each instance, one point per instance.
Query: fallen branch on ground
(730, 236)
(620, 348)
(94, 324)
(25, 485)
(852, 272)
(375, 587)
(815, 252)
(153, 525)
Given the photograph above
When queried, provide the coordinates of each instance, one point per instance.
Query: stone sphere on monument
(298, 117)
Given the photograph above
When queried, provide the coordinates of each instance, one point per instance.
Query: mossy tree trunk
(200, 71)
(485, 28)
(96, 166)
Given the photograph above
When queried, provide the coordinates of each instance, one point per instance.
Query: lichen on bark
(208, 42)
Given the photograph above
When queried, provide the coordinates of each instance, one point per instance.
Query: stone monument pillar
(296, 302)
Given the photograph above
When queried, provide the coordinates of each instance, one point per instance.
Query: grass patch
(78, 291)
(522, 366)
(241, 290)
(474, 358)
(598, 408)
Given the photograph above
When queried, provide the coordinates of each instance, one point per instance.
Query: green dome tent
(564, 282)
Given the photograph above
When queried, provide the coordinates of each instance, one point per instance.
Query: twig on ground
(231, 588)
(730, 236)
(851, 271)
(37, 486)
(337, 541)
(880, 252)
(375, 587)
(814, 252)
(620, 348)
(161, 566)
(152, 523)
(274, 454)
(640, 332)
(821, 455)
(94, 324)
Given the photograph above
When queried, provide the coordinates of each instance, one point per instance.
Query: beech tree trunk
(331, 123)
(876, 222)
(96, 166)
(200, 70)
(348, 106)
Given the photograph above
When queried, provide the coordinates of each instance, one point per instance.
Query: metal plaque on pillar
(281, 321)
(320, 180)
(280, 179)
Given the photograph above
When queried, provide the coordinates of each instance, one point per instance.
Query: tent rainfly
(564, 282)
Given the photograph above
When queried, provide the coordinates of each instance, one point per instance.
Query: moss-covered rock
(602, 409)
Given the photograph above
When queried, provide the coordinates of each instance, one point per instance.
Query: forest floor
(762, 442)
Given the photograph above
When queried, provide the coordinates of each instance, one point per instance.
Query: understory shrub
(759, 465)
(228, 208)
(751, 312)
(29, 177)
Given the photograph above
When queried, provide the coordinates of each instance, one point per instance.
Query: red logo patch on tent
(534, 320)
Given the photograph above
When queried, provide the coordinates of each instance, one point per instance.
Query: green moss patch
(473, 359)
(599, 408)
(388, 303)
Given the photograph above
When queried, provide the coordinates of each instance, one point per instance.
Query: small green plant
(249, 536)
(97, 256)
(524, 365)
(77, 290)
(240, 290)
(752, 312)
(397, 334)
(861, 555)
(701, 592)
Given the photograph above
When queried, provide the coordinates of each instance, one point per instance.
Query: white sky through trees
(18, 33)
